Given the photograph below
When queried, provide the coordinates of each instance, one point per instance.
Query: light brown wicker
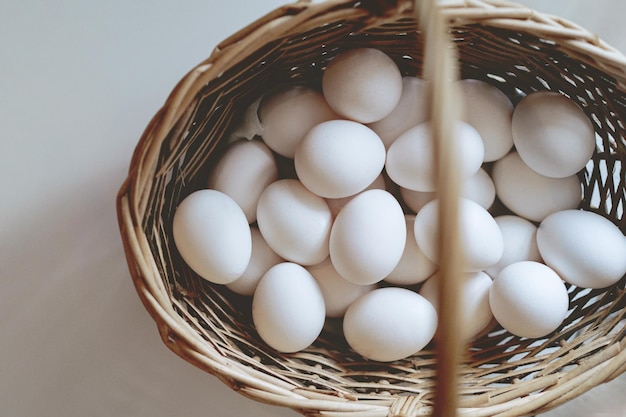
(513, 47)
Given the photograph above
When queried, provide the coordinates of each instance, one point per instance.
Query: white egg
(553, 136)
(368, 237)
(336, 204)
(362, 84)
(481, 241)
(529, 299)
(475, 310)
(414, 267)
(262, 259)
(411, 110)
(410, 158)
(294, 222)
(288, 114)
(212, 236)
(520, 242)
(479, 188)
(490, 111)
(532, 195)
(415, 200)
(339, 158)
(338, 292)
(243, 172)
(288, 308)
(389, 324)
(584, 248)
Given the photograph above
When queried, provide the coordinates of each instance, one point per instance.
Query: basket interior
(517, 64)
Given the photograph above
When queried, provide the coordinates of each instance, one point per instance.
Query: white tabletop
(79, 82)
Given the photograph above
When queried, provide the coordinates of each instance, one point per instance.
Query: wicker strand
(440, 71)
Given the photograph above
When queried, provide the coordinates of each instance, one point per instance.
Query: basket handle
(441, 70)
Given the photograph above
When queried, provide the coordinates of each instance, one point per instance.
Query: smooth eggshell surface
(480, 237)
(368, 237)
(410, 158)
(584, 248)
(389, 324)
(552, 134)
(288, 114)
(338, 292)
(490, 111)
(475, 311)
(339, 158)
(294, 222)
(288, 308)
(532, 195)
(411, 110)
(414, 267)
(479, 188)
(529, 299)
(262, 259)
(243, 172)
(520, 242)
(362, 84)
(213, 236)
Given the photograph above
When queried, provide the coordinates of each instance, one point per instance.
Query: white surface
(80, 81)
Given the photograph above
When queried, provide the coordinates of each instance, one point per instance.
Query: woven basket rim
(131, 205)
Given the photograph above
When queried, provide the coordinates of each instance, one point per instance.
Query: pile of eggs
(350, 231)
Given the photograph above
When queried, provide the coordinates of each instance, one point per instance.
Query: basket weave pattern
(512, 47)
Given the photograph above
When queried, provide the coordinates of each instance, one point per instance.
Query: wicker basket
(516, 49)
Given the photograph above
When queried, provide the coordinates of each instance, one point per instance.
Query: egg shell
(584, 248)
(410, 158)
(339, 158)
(411, 110)
(362, 84)
(368, 237)
(520, 242)
(389, 324)
(261, 260)
(529, 299)
(288, 113)
(336, 204)
(530, 194)
(243, 172)
(212, 236)
(294, 222)
(490, 112)
(481, 241)
(552, 134)
(475, 311)
(414, 267)
(288, 308)
(338, 292)
(479, 188)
